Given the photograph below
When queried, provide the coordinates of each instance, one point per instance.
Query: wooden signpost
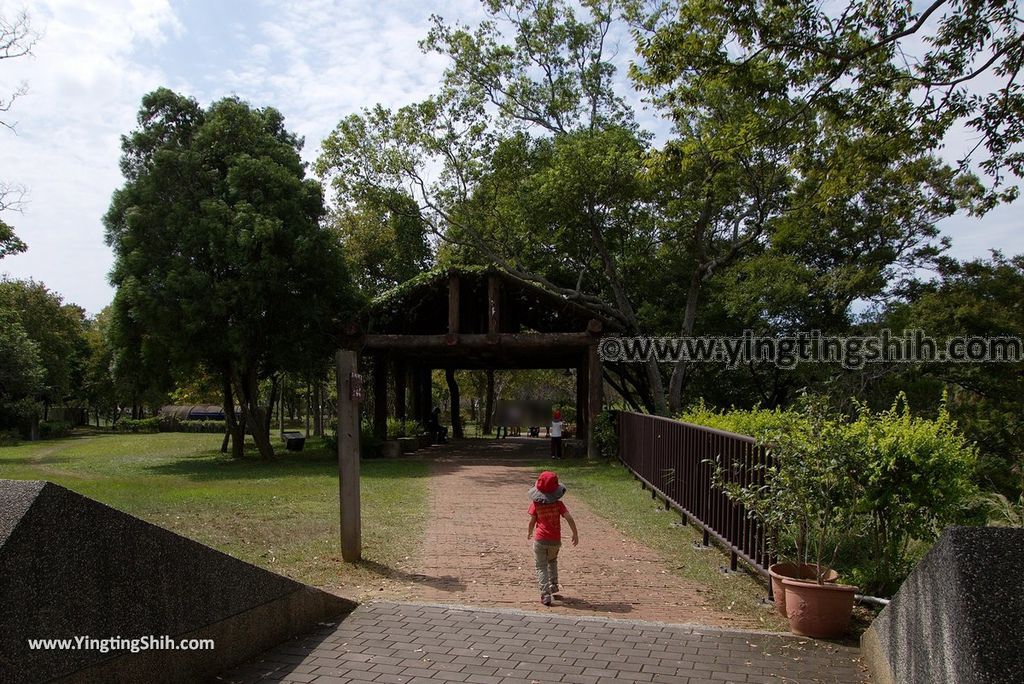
(350, 392)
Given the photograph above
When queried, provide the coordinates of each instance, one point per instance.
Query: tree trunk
(270, 404)
(675, 388)
(253, 415)
(234, 431)
(625, 307)
(489, 403)
(453, 390)
(318, 409)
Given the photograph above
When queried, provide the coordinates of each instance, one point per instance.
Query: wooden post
(582, 397)
(489, 403)
(594, 386)
(348, 458)
(493, 305)
(400, 378)
(416, 390)
(427, 398)
(380, 396)
(453, 389)
(453, 304)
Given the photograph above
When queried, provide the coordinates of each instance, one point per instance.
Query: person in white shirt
(556, 434)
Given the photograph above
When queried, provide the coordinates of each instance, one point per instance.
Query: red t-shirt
(549, 520)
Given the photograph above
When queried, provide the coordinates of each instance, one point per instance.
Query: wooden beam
(595, 382)
(348, 459)
(493, 305)
(380, 396)
(453, 303)
(535, 341)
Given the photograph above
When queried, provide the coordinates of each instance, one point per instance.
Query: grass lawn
(611, 492)
(281, 515)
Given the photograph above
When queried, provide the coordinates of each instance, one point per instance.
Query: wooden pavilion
(475, 318)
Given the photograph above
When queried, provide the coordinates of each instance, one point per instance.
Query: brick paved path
(392, 643)
(476, 551)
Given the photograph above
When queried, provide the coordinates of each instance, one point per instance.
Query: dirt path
(476, 551)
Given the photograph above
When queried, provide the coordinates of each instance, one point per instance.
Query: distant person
(546, 513)
(556, 435)
(438, 432)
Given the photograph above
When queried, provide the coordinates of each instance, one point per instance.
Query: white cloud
(315, 60)
(84, 88)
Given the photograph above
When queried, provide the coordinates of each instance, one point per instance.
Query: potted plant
(807, 496)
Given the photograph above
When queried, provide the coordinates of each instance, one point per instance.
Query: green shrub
(205, 426)
(808, 495)
(138, 425)
(868, 495)
(52, 429)
(403, 427)
(606, 435)
(369, 445)
(916, 479)
(10, 438)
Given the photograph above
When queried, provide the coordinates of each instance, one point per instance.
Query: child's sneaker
(545, 599)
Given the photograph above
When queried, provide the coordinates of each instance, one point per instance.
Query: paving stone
(595, 653)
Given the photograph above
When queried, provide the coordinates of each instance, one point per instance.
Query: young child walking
(546, 513)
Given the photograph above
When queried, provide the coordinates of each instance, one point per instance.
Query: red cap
(547, 482)
(558, 414)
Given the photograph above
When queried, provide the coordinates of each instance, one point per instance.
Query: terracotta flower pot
(798, 571)
(817, 610)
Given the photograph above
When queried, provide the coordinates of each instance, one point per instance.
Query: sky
(316, 61)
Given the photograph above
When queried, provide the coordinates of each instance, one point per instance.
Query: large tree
(221, 260)
(529, 157)
(21, 372)
(58, 332)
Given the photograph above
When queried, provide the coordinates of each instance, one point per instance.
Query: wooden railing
(677, 461)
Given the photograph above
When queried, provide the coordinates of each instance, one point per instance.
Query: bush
(52, 429)
(206, 426)
(606, 435)
(369, 445)
(916, 476)
(889, 478)
(141, 425)
(10, 438)
(404, 427)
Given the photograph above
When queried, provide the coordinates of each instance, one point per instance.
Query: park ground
(446, 584)
(446, 525)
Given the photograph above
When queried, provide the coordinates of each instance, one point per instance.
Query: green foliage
(398, 427)
(21, 371)
(10, 438)
(53, 429)
(131, 425)
(385, 241)
(210, 426)
(973, 298)
(859, 494)
(57, 331)
(1003, 512)
(915, 477)
(221, 261)
(9, 242)
(606, 435)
